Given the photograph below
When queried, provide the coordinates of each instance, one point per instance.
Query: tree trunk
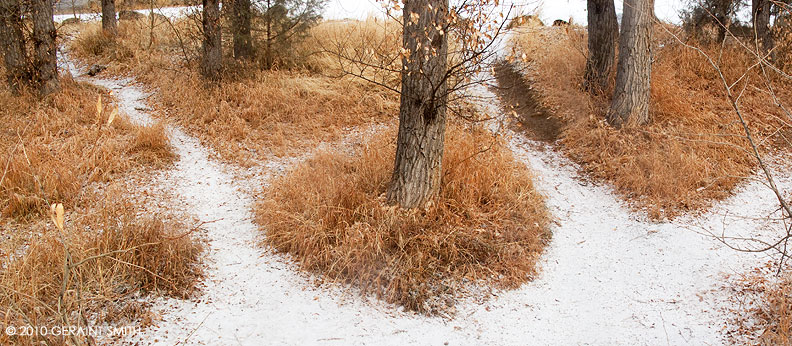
(422, 116)
(211, 60)
(630, 105)
(603, 30)
(243, 40)
(109, 24)
(268, 49)
(761, 21)
(12, 41)
(45, 64)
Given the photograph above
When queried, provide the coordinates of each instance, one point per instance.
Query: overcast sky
(548, 10)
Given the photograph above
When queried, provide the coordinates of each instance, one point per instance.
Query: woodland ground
(245, 148)
(63, 150)
(499, 221)
(692, 153)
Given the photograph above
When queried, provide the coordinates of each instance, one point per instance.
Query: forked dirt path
(609, 276)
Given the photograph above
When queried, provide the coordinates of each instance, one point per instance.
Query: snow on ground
(609, 276)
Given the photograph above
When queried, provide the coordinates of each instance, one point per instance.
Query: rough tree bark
(211, 60)
(603, 30)
(45, 63)
(630, 105)
(109, 23)
(268, 56)
(240, 22)
(422, 116)
(12, 42)
(723, 16)
(760, 10)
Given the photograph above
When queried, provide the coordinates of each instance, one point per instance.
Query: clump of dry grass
(54, 147)
(62, 150)
(272, 113)
(488, 225)
(116, 256)
(777, 314)
(693, 152)
(94, 41)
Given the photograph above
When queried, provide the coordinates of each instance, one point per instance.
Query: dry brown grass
(763, 315)
(142, 255)
(251, 114)
(488, 226)
(60, 150)
(693, 152)
(776, 317)
(55, 147)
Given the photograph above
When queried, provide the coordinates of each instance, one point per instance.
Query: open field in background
(61, 150)
(87, 6)
(693, 152)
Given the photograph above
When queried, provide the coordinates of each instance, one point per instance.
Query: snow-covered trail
(609, 276)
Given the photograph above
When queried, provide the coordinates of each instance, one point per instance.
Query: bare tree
(211, 59)
(45, 64)
(718, 14)
(603, 31)
(430, 75)
(240, 27)
(630, 105)
(109, 23)
(12, 41)
(422, 116)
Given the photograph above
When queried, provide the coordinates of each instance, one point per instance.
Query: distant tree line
(260, 29)
(720, 16)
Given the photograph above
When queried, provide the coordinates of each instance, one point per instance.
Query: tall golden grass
(487, 227)
(63, 150)
(252, 113)
(692, 153)
(57, 146)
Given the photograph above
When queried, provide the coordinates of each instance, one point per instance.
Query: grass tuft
(488, 226)
(55, 147)
(59, 150)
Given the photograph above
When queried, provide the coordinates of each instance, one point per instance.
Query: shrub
(488, 226)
